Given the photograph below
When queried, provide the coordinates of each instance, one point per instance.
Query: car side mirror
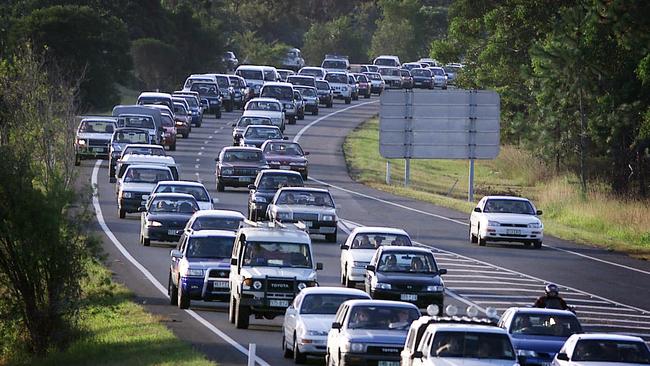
(539, 212)
(234, 124)
(306, 153)
(160, 129)
(175, 253)
(251, 186)
(336, 325)
(285, 138)
(319, 266)
(344, 247)
(563, 356)
(216, 159)
(142, 209)
(370, 268)
(417, 354)
(442, 271)
(477, 209)
(233, 261)
(215, 200)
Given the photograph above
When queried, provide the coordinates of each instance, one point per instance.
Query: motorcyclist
(551, 299)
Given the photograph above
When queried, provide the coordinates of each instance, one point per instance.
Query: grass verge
(117, 331)
(598, 219)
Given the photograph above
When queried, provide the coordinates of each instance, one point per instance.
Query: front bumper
(313, 345)
(500, 233)
(362, 359)
(162, 233)
(357, 274)
(321, 227)
(182, 129)
(311, 106)
(376, 88)
(260, 304)
(91, 151)
(207, 289)
(325, 99)
(338, 94)
(424, 299)
(302, 169)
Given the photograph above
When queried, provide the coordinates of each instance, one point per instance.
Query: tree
(254, 50)
(339, 36)
(156, 63)
(85, 43)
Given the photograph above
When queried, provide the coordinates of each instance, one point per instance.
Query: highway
(610, 291)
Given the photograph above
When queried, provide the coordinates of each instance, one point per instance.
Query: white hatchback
(603, 349)
(506, 218)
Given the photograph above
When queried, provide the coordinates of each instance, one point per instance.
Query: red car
(169, 135)
(364, 85)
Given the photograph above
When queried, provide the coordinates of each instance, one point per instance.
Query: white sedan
(309, 318)
(361, 245)
(602, 349)
(506, 218)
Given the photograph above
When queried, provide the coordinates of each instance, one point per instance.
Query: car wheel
(314, 112)
(343, 274)
(121, 213)
(331, 237)
(330, 104)
(220, 187)
(172, 291)
(242, 314)
(367, 95)
(286, 352)
(537, 244)
(472, 237)
(231, 310)
(481, 241)
(292, 120)
(298, 357)
(183, 299)
(186, 135)
(172, 147)
(145, 241)
(348, 100)
(348, 283)
(229, 107)
(218, 114)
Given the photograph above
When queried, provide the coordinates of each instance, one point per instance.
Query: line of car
(263, 263)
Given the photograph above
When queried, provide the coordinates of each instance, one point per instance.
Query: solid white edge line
(149, 276)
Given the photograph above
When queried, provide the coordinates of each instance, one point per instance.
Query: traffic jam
(392, 306)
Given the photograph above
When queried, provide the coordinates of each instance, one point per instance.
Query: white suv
(339, 83)
(270, 264)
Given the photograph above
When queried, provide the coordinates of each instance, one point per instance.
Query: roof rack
(461, 320)
(338, 57)
(275, 224)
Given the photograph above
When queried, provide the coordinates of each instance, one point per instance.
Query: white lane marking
(202, 147)
(205, 142)
(598, 259)
(197, 160)
(200, 153)
(210, 136)
(305, 128)
(149, 276)
(216, 131)
(196, 166)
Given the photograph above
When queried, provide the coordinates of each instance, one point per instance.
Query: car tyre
(472, 238)
(220, 187)
(231, 310)
(314, 112)
(481, 241)
(286, 352)
(77, 160)
(172, 291)
(183, 299)
(348, 283)
(330, 104)
(298, 357)
(343, 275)
(367, 96)
(241, 316)
(186, 135)
(229, 107)
(218, 114)
(145, 241)
(121, 213)
(537, 244)
(331, 237)
(348, 100)
(172, 147)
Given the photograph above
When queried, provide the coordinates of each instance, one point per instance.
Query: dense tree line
(573, 79)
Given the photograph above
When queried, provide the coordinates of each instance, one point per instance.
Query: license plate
(387, 363)
(513, 231)
(245, 179)
(309, 223)
(409, 297)
(172, 232)
(98, 149)
(279, 303)
(220, 284)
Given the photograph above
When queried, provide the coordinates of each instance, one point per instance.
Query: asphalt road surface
(611, 292)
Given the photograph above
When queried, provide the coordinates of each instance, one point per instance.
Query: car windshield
(389, 72)
(191, 101)
(337, 78)
(146, 175)
(509, 206)
(167, 121)
(142, 150)
(407, 262)
(213, 247)
(438, 72)
(472, 345)
(361, 78)
(277, 92)
(297, 80)
(325, 303)
(334, 64)
(597, 350)
(307, 92)
(451, 69)
(322, 85)
(246, 121)
(243, 156)
(310, 198)
(236, 82)
(131, 137)
(265, 133)
(250, 74)
(372, 68)
(283, 148)
(179, 109)
(269, 75)
(191, 81)
(136, 122)
(272, 254)
(154, 100)
(207, 89)
(223, 82)
(173, 205)
(97, 127)
(217, 223)
(404, 73)
(312, 72)
(382, 317)
(385, 62)
(199, 193)
(421, 72)
(545, 325)
(276, 181)
(351, 79)
(374, 76)
(375, 240)
(264, 106)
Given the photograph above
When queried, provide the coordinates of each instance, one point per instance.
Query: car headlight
(276, 120)
(284, 215)
(345, 88)
(274, 162)
(493, 223)
(194, 272)
(81, 142)
(354, 347)
(153, 223)
(127, 194)
(227, 171)
(179, 123)
(535, 225)
(382, 286)
(526, 353)
(316, 333)
(435, 288)
(302, 286)
(260, 199)
(288, 106)
(328, 217)
(356, 264)
(257, 285)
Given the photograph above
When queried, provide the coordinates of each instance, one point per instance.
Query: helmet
(552, 289)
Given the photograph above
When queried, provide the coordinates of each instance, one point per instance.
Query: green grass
(598, 218)
(117, 331)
